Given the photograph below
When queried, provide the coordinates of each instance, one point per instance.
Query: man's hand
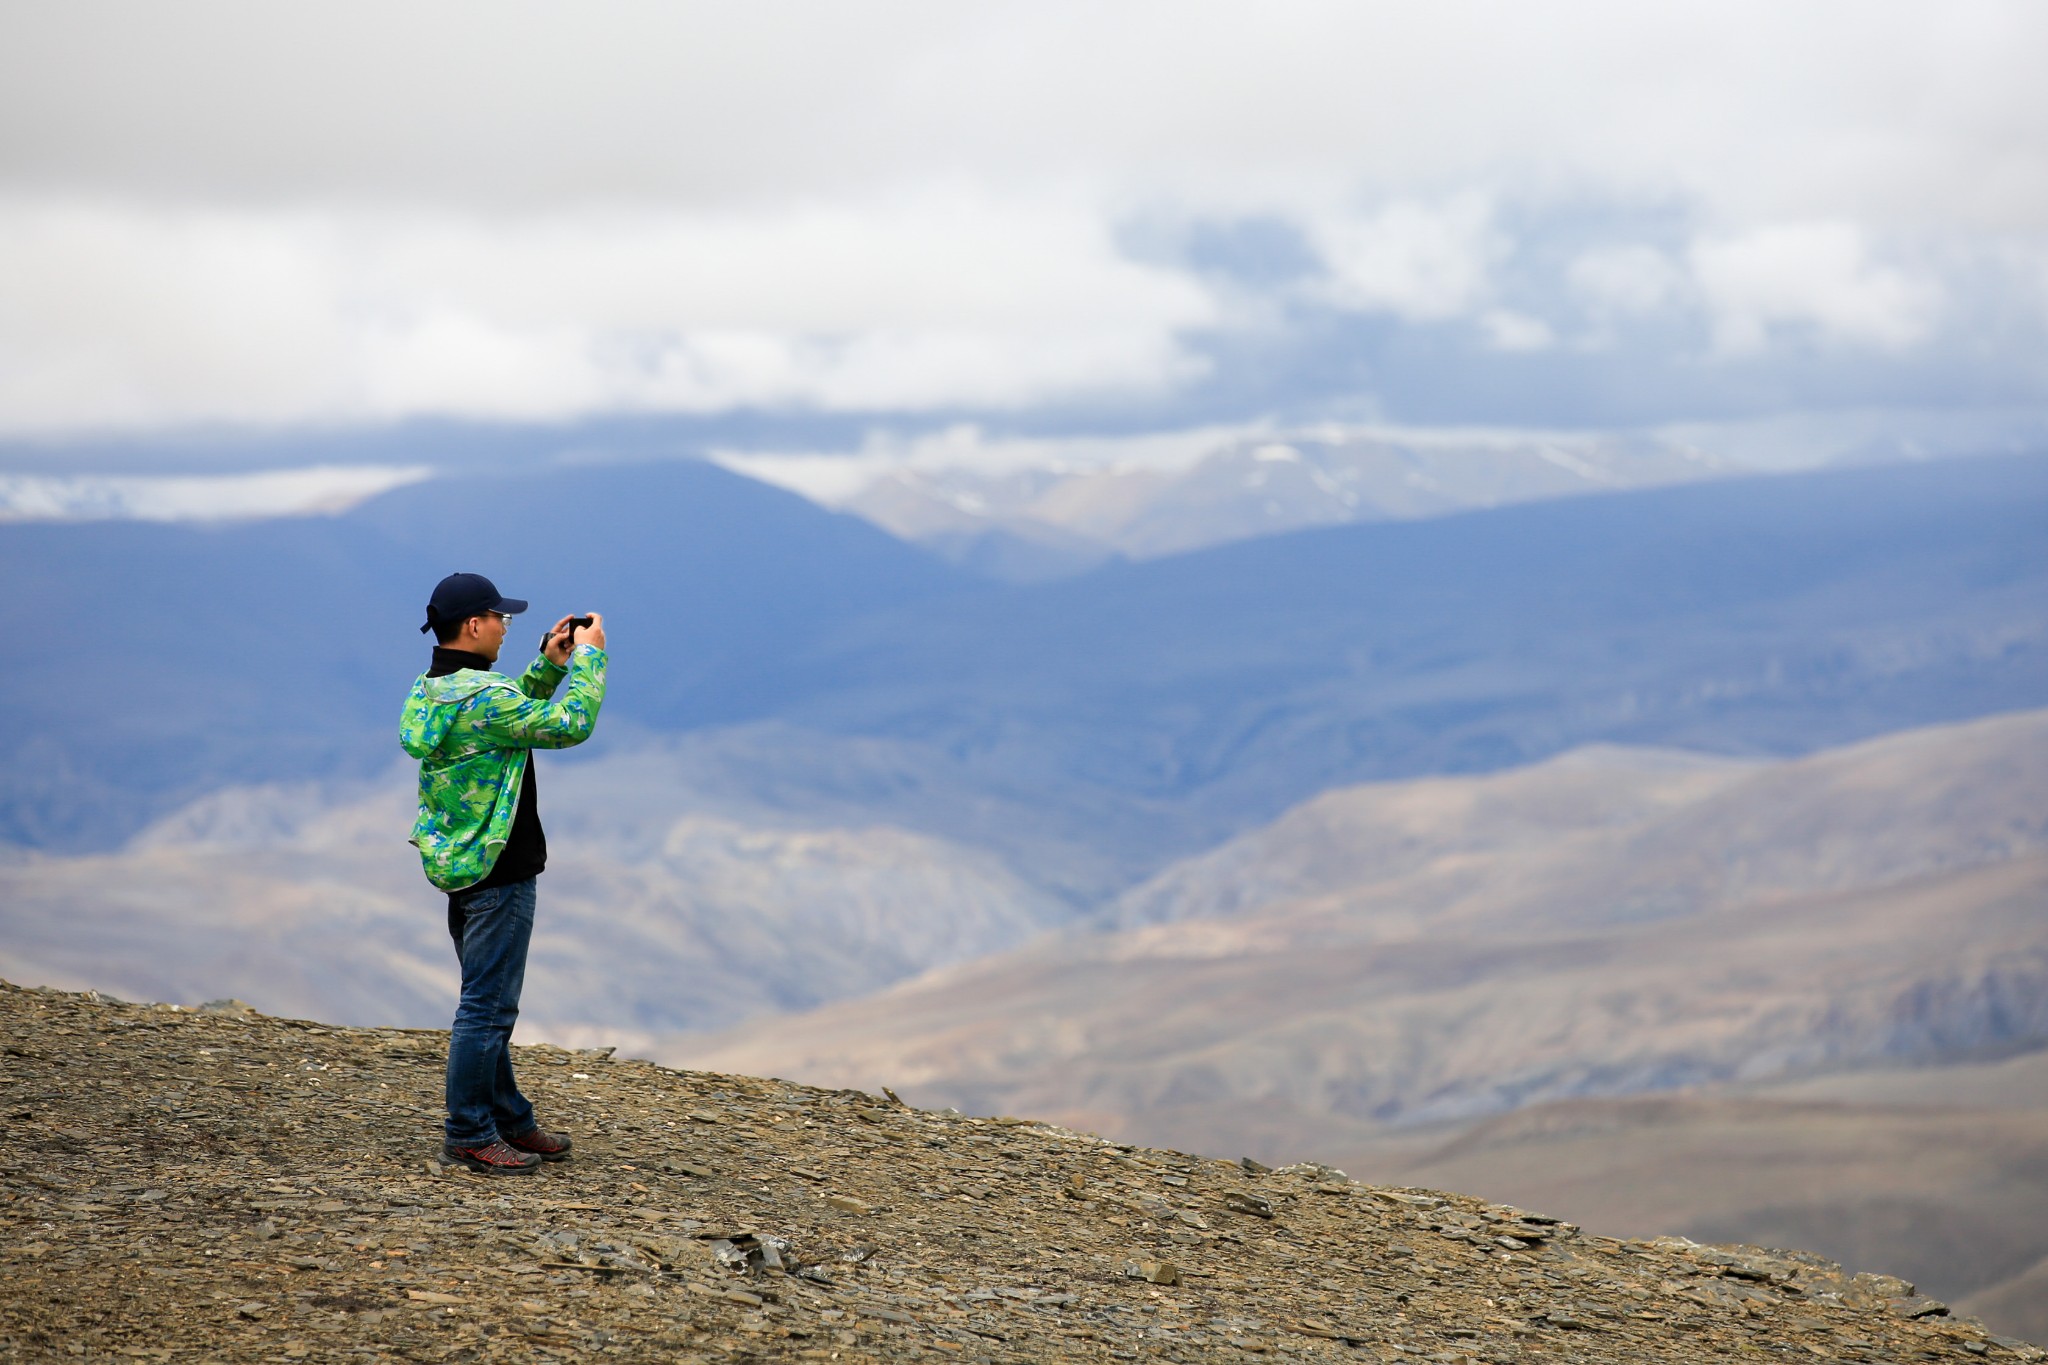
(556, 643)
(558, 639)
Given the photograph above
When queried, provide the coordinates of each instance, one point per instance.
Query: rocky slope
(224, 1186)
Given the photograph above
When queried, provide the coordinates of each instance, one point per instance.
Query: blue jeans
(483, 1100)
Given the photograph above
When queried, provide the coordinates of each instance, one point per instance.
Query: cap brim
(511, 606)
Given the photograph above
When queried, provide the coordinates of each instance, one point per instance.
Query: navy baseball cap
(460, 596)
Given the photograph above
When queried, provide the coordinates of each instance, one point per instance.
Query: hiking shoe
(543, 1144)
(492, 1158)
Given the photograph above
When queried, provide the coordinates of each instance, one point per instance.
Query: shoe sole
(485, 1167)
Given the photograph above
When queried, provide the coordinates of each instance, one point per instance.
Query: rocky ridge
(213, 1184)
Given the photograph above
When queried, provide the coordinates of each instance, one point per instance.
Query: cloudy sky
(1037, 217)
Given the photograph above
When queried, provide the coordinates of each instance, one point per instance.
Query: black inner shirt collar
(448, 661)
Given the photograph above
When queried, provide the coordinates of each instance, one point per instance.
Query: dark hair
(445, 631)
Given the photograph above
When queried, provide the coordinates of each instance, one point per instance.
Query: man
(480, 839)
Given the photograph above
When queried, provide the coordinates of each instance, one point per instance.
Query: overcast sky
(1136, 215)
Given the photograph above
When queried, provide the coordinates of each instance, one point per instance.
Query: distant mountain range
(1755, 1001)
(1053, 520)
(1098, 846)
(1211, 691)
(303, 901)
(1605, 923)
(1091, 729)
(197, 656)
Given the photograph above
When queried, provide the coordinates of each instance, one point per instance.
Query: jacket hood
(434, 703)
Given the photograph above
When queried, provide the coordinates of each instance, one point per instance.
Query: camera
(576, 623)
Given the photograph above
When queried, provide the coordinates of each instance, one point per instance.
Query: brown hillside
(225, 1186)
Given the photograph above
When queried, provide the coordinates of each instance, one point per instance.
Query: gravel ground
(213, 1184)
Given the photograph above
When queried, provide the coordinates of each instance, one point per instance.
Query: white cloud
(1625, 279)
(1859, 108)
(1508, 330)
(233, 209)
(117, 316)
(1421, 262)
(1817, 275)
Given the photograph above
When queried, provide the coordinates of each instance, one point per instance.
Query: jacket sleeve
(526, 722)
(541, 677)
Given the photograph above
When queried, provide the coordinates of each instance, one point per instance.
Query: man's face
(489, 631)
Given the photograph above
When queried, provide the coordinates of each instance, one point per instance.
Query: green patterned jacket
(471, 731)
